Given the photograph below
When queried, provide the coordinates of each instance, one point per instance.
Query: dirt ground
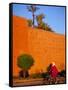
(38, 81)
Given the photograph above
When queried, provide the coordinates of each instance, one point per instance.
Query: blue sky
(54, 16)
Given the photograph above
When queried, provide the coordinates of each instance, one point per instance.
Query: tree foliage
(48, 28)
(25, 61)
(39, 19)
(32, 9)
(30, 23)
(42, 24)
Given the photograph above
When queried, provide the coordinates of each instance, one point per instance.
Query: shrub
(42, 25)
(45, 75)
(48, 28)
(40, 75)
(62, 73)
(36, 75)
(25, 62)
(30, 23)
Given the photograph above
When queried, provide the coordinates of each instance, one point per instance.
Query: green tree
(30, 23)
(42, 24)
(32, 9)
(48, 28)
(25, 62)
(39, 19)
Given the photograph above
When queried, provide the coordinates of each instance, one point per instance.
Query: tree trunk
(24, 73)
(33, 19)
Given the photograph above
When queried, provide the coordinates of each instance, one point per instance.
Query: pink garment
(53, 71)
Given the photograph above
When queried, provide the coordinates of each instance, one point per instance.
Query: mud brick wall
(45, 47)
